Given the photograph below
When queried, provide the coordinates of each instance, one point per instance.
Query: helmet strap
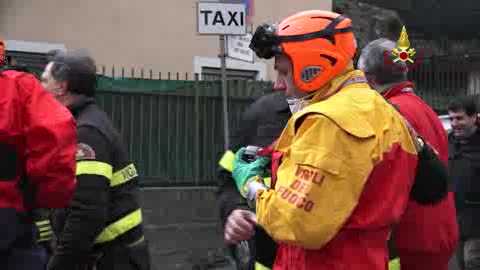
(328, 31)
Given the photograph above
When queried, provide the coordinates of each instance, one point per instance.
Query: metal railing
(176, 136)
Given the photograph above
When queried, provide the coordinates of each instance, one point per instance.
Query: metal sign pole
(223, 65)
(211, 21)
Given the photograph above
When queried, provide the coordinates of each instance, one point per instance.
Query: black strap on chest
(8, 162)
(9, 170)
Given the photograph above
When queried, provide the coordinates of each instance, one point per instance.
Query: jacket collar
(79, 104)
(349, 75)
(474, 138)
(281, 105)
(398, 88)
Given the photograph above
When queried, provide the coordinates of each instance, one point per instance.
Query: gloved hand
(243, 171)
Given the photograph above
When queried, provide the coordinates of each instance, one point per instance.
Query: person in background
(103, 227)
(427, 235)
(464, 162)
(261, 124)
(37, 164)
(41, 217)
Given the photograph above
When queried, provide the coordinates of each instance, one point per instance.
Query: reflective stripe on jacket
(105, 211)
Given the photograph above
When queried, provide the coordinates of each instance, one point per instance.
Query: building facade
(154, 35)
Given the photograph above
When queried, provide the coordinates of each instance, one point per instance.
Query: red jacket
(39, 135)
(425, 229)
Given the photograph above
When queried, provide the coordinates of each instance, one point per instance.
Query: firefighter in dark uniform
(261, 124)
(102, 229)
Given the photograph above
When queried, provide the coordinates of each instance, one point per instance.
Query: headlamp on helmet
(266, 44)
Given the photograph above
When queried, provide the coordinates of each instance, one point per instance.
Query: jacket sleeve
(88, 213)
(50, 138)
(318, 185)
(228, 195)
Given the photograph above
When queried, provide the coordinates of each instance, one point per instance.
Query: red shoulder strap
(276, 157)
(268, 150)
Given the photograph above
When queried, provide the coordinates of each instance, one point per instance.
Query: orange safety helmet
(2, 51)
(320, 44)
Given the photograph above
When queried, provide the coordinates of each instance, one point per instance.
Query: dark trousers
(24, 259)
(18, 250)
(244, 255)
(261, 249)
(468, 254)
(133, 257)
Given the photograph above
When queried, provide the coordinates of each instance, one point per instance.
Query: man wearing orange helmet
(347, 160)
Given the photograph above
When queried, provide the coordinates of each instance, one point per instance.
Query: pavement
(183, 230)
(453, 264)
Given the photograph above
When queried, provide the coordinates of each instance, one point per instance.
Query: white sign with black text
(221, 18)
(237, 47)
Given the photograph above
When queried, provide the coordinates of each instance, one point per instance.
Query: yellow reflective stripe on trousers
(394, 264)
(259, 266)
(43, 223)
(227, 161)
(124, 175)
(94, 168)
(44, 230)
(120, 227)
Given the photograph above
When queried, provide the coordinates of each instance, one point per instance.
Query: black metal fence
(441, 78)
(173, 126)
(175, 136)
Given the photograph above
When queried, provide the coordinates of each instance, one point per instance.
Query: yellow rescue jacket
(330, 149)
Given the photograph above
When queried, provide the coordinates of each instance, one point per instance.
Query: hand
(242, 170)
(240, 226)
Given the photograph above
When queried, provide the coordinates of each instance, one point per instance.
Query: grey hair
(51, 54)
(375, 61)
(77, 68)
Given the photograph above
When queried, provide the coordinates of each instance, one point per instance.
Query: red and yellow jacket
(348, 163)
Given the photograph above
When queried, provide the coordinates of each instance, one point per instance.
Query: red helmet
(320, 44)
